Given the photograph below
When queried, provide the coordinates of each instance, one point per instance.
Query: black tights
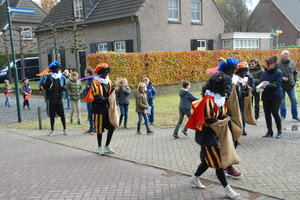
(63, 121)
(272, 107)
(219, 172)
(109, 136)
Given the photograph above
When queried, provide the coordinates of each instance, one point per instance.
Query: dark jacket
(273, 91)
(54, 87)
(25, 89)
(141, 102)
(256, 73)
(288, 69)
(186, 99)
(87, 86)
(151, 93)
(123, 96)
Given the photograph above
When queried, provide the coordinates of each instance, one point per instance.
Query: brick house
(276, 15)
(25, 22)
(133, 26)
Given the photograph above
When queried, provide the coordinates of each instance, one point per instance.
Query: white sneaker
(52, 132)
(108, 149)
(66, 132)
(195, 181)
(229, 192)
(100, 151)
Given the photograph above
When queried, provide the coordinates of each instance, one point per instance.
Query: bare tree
(5, 40)
(47, 5)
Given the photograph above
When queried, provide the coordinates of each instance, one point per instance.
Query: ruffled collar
(102, 80)
(218, 99)
(237, 79)
(56, 75)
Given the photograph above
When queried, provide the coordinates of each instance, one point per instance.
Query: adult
(289, 81)
(210, 110)
(151, 94)
(272, 95)
(256, 70)
(88, 73)
(54, 83)
(101, 88)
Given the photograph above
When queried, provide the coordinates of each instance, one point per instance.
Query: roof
(104, 10)
(290, 8)
(39, 15)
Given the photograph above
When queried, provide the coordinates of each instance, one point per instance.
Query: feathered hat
(52, 65)
(100, 66)
(229, 62)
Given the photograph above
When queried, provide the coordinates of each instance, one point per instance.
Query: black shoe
(297, 119)
(149, 132)
(268, 134)
(139, 132)
(244, 133)
(279, 135)
(184, 132)
(175, 136)
(151, 123)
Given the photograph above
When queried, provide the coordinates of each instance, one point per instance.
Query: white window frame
(78, 8)
(246, 44)
(202, 48)
(173, 9)
(197, 12)
(102, 48)
(28, 32)
(120, 46)
(229, 47)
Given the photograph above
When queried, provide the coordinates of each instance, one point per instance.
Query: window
(120, 46)
(227, 44)
(78, 8)
(201, 45)
(274, 29)
(26, 32)
(196, 11)
(173, 10)
(102, 47)
(246, 44)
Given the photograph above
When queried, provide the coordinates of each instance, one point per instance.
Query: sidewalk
(270, 166)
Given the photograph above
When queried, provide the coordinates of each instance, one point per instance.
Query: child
(7, 91)
(122, 95)
(26, 91)
(142, 108)
(88, 73)
(185, 105)
(74, 90)
(66, 74)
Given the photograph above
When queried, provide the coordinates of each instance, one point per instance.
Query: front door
(201, 45)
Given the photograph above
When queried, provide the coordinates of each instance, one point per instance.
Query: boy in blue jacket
(185, 105)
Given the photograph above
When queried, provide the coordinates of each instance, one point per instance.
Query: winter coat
(74, 89)
(256, 73)
(87, 86)
(6, 88)
(288, 69)
(123, 96)
(186, 99)
(273, 91)
(141, 102)
(151, 93)
(23, 89)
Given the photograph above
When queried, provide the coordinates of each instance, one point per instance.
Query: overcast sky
(253, 4)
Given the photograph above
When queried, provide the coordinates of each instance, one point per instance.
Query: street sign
(22, 10)
(278, 32)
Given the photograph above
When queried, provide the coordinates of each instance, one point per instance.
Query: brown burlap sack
(228, 153)
(113, 110)
(232, 104)
(248, 110)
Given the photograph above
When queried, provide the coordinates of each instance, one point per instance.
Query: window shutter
(62, 58)
(193, 44)
(210, 44)
(129, 45)
(49, 52)
(93, 47)
(110, 46)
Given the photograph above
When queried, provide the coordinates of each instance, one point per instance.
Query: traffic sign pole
(14, 62)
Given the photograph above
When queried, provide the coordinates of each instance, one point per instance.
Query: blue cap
(229, 62)
(54, 64)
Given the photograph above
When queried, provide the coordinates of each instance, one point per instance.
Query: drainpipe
(137, 47)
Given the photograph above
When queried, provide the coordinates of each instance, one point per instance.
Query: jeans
(7, 101)
(124, 112)
(140, 115)
(182, 112)
(293, 98)
(272, 107)
(151, 116)
(90, 115)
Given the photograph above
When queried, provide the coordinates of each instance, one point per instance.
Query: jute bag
(232, 104)
(113, 110)
(248, 110)
(227, 151)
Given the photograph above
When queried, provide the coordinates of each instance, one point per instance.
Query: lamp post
(14, 62)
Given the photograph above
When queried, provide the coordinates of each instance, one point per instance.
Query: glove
(223, 117)
(100, 99)
(211, 120)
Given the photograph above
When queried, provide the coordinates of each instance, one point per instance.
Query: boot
(268, 134)
(229, 192)
(120, 120)
(278, 136)
(149, 132)
(125, 125)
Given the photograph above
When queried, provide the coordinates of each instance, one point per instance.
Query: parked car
(31, 69)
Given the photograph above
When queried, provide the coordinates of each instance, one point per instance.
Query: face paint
(103, 73)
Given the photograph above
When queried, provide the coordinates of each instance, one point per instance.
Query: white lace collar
(219, 100)
(102, 80)
(237, 79)
(56, 75)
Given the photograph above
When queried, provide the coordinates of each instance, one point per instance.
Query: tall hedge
(167, 68)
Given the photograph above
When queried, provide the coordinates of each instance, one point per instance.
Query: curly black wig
(104, 70)
(217, 83)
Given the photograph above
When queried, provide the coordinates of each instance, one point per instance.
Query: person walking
(272, 95)
(142, 108)
(151, 94)
(289, 81)
(185, 105)
(74, 90)
(26, 91)
(256, 71)
(7, 90)
(210, 110)
(122, 96)
(88, 73)
(66, 74)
